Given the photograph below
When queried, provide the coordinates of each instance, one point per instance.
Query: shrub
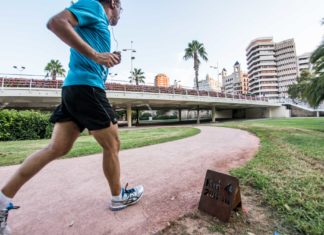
(145, 116)
(24, 125)
(165, 117)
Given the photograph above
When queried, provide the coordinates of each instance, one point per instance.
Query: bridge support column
(198, 115)
(213, 114)
(179, 115)
(278, 112)
(129, 115)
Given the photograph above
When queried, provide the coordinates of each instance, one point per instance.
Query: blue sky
(161, 30)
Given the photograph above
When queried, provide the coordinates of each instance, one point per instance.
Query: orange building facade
(162, 80)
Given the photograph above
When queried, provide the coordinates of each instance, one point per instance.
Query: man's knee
(56, 151)
(113, 145)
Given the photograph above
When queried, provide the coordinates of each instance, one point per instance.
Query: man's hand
(107, 59)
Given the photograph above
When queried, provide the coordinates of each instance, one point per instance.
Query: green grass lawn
(14, 152)
(288, 169)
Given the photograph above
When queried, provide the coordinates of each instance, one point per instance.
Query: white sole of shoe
(124, 206)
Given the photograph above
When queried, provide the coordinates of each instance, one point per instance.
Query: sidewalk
(71, 196)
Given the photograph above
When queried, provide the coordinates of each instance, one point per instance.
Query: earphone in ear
(112, 4)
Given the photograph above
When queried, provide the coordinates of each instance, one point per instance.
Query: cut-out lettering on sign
(220, 195)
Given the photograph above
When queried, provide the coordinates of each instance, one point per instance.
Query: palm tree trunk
(196, 68)
(196, 78)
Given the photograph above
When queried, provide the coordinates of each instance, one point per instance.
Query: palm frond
(53, 68)
(195, 51)
(137, 75)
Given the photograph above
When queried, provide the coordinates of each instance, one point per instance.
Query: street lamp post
(19, 68)
(131, 50)
(112, 75)
(177, 83)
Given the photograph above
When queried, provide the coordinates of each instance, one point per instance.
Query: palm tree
(54, 68)
(138, 76)
(310, 86)
(315, 91)
(297, 91)
(195, 50)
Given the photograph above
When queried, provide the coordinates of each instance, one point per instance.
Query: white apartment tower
(304, 62)
(287, 66)
(272, 67)
(262, 72)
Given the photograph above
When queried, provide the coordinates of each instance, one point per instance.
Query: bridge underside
(221, 107)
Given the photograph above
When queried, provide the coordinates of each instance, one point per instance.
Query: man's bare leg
(109, 140)
(63, 137)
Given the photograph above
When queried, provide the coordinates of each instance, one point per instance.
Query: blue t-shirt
(93, 29)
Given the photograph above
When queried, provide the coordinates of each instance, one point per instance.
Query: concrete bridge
(46, 94)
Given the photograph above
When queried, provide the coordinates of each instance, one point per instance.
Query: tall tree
(315, 90)
(54, 68)
(297, 91)
(138, 76)
(310, 86)
(195, 51)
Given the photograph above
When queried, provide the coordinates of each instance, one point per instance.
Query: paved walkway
(70, 196)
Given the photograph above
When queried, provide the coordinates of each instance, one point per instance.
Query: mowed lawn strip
(288, 170)
(14, 152)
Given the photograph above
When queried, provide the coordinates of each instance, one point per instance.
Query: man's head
(113, 9)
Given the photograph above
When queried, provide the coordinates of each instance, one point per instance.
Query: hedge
(165, 117)
(24, 125)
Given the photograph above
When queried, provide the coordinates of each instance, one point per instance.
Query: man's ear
(112, 4)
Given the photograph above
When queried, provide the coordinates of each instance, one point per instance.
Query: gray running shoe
(129, 197)
(4, 228)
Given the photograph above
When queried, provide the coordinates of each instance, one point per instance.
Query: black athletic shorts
(87, 106)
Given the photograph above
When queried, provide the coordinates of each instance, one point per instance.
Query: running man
(84, 27)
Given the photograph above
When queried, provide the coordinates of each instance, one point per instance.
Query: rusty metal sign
(220, 195)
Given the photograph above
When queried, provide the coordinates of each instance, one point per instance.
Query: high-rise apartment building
(262, 72)
(162, 80)
(272, 67)
(287, 66)
(304, 62)
(237, 82)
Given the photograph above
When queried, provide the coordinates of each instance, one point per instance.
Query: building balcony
(260, 47)
(262, 63)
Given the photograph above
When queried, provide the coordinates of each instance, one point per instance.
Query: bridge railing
(57, 84)
(301, 103)
(179, 91)
(30, 83)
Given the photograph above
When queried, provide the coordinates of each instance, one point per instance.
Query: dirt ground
(254, 219)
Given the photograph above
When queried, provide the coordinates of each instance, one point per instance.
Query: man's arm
(62, 25)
